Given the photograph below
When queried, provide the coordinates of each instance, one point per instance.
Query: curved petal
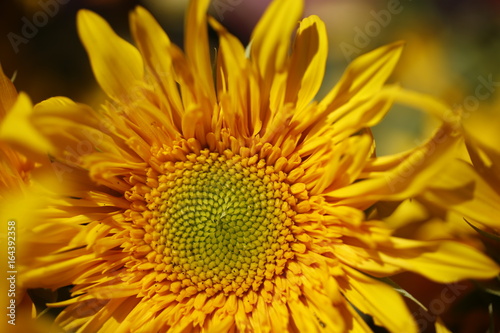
(485, 158)
(156, 48)
(375, 298)
(82, 132)
(197, 47)
(234, 80)
(361, 81)
(462, 190)
(117, 65)
(361, 113)
(270, 39)
(440, 261)
(365, 75)
(450, 262)
(430, 105)
(409, 178)
(347, 119)
(307, 62)
(19, 130)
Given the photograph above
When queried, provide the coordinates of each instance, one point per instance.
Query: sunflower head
(222, 199)
(219, 223)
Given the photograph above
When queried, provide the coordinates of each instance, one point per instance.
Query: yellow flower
(19, 198)
(234, 205)
(479, 203)
(469, 189)
(462, 203)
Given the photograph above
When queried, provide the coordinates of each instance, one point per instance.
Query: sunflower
(473, 178)
(19, 199)
(226, 199)
(15, 167)
(468, 190)
(461, 204)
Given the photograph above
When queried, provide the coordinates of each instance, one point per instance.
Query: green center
(224, 224)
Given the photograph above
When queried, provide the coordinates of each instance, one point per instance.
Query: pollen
(220, 223)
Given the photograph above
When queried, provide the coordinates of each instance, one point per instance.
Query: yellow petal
(117, 65)
(365, 75)
(270, 39)
(347, 119)
(409, 178)
(304, 317)
(233, 80)
(359, 325)
(83, 133)
(430, 105)
(443, 261)
(307, 62)
(462, 190)
(193, 123)
(156, 50)
(18, 129)
(378, 300)
(57, 272)
(358, 114)
(440, 327)
(322, 300)
(106, 321)
(117, 316)
(197, 47)
(365, 148)
(485, 158)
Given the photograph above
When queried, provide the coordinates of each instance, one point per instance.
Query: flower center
(223, 222)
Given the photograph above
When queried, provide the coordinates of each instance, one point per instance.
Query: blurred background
(452, 52)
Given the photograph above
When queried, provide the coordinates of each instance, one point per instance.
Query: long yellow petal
(307, 62)
(409, 178)
(379, 300)
(197, 47)
(449, 262)
(430, 105)
(347, 119)
(365, 75)
(485, 158)
(233, 72)
(269, 41)
(461, 189)
(84, 132)
(156, 50)
(117, 65)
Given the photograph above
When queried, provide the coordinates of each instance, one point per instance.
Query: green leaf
(484, 233)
